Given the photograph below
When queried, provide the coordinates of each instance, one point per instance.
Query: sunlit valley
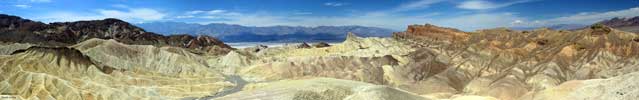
(319, 50)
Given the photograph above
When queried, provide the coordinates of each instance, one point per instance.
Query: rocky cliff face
(16, 29)
(432, 32)
(508, 64)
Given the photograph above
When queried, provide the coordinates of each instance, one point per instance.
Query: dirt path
(235, 79)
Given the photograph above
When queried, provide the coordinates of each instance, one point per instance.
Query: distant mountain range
(625, 24)
(19, 30)
(238, 33)
(554, 27)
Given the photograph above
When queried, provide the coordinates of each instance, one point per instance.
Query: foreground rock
(623, 87)
(106, 69)
(507, 64)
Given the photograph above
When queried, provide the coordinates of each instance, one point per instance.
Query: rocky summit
(111, 59)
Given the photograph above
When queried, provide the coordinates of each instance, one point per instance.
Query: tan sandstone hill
(105, 69)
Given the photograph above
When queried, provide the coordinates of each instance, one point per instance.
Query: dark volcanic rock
(303, 45)
(321, 45)
(16, 29)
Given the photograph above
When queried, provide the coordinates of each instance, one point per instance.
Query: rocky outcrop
(432, 32)
(106, 69)
(623, 87)
(507, 64)
(176, 62)
(321, 45)
(303, 45)
(8, 48)
(16, 29)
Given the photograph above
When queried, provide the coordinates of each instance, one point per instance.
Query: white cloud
(517, 22)
(209, 14)
(131, 15)
(592, 17)
(583, 18)
(335, 4)
(417, 5)
(214, 12)
(144, 14)
(22, 6)
(194, 12)
(481, 4)
(185, 16)
(62, 16)
(210, 17)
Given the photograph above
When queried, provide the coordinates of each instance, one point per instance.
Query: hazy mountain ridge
(238, 33)
(553, 27)
(18, 30)
(625, 24)
(630, 24)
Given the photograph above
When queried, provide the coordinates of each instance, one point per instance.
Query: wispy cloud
(208, 14)
(211, 12)
(583, 18)
(592, 17)
(482, 4)
(335, 4)
(417, 5)
(64, 16)
(130, 14)
(134, 14)
(185, 16)
(22, 6)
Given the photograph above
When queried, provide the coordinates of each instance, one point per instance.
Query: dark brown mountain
(624, 24)
(431, 32)
(16, 29)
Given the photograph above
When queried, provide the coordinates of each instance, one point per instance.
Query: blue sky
(394, 14)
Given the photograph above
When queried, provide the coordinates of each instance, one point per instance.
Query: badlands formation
(425, 62)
